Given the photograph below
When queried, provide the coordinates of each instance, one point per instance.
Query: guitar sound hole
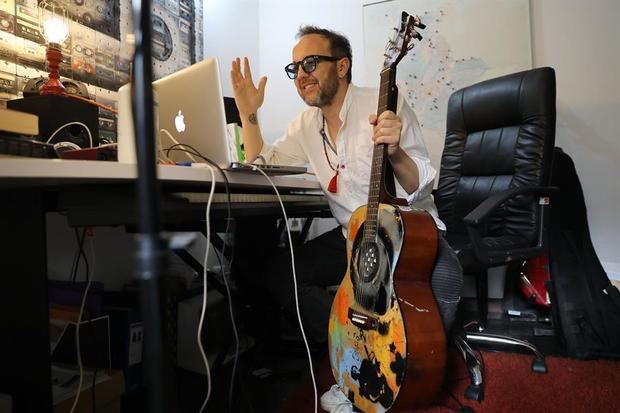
(368, 262)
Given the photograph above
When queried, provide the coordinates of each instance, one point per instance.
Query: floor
(267, 375)
(263, 381)
(276, 364)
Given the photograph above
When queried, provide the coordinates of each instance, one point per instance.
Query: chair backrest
(500, 135)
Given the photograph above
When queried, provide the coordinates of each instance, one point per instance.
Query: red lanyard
(333, 183)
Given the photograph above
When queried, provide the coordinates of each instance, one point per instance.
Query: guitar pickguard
(372, 267)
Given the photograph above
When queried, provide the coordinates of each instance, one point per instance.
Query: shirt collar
(346, 104)
(344, 110)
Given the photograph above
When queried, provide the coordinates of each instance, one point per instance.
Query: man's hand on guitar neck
(387, 129)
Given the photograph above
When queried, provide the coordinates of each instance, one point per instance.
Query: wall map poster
(97, 51)
(464, 42)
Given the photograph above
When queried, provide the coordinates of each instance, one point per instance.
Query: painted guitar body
(386, 341)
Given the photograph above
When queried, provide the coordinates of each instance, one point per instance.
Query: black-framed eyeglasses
(308, 63)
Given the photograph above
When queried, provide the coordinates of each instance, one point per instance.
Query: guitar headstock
(402, 40)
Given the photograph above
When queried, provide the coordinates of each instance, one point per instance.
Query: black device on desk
(25, 146)
(56, 114)
(232, 113)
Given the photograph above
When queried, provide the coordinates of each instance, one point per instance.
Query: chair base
(538, 365)
(475, 365)
(475, 391)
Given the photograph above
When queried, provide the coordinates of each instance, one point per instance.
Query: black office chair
(492, 191)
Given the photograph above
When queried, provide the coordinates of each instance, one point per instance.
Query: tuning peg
(418, 23)
(416, 35)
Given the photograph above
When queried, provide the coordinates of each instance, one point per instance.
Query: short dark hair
(340, 46)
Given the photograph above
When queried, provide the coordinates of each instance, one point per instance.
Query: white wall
(279, 21)
(230, 30)
(578, 39)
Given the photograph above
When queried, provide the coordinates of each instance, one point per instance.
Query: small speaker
(72, 87)
(232, 113)
(62, 119)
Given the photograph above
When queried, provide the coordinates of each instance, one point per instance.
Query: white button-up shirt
(302, 144)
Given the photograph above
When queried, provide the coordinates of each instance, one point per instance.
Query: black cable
(182, 147)
(80, 253)
(462, 407)
(76, 258)
(247, 398)
(91, 333)
(191, 150)
(218, 255)
(92, 391)
(86, 265)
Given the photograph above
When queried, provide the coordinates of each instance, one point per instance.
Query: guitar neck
(377, 193)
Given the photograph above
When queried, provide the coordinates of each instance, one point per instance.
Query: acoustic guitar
(387, 346)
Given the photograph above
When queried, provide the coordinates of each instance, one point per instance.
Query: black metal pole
(149, 245)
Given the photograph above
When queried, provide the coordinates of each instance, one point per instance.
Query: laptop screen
(191, 109)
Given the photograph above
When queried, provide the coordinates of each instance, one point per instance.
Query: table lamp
(54, 26)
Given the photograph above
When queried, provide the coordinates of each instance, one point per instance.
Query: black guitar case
(586, 305)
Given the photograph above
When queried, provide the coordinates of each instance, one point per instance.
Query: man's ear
(343, 67)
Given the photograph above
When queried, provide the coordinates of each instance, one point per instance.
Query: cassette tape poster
(97, 51)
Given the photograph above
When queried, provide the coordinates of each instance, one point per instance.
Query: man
(335, 135)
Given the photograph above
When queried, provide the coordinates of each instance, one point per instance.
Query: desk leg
(24, 311)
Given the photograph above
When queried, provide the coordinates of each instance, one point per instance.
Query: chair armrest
(479, 214)
(486, 207)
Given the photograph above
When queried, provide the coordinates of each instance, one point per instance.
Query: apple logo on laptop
(179, 122)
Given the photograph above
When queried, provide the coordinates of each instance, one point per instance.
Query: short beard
(326, 93)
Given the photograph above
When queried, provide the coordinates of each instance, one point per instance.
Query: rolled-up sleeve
(412, 143)
(286, 150)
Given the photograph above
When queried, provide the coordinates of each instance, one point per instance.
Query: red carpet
(510, 386)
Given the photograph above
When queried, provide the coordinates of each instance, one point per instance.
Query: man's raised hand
(248, 97)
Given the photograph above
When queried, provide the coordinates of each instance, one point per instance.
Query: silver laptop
(191, 108)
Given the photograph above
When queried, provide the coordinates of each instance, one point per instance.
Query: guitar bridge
(366, 322)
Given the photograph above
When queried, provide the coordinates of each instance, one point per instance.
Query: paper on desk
(65, 382)
(235, 142)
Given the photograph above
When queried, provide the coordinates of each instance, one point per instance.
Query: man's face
(319, 87)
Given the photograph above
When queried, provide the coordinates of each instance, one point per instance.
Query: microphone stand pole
(150, 247)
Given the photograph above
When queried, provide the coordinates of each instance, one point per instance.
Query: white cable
(77, 327)
(290, 243)
(90, 136)
(176, 142)
(204, 289)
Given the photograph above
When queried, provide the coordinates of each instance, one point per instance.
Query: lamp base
(52, 87)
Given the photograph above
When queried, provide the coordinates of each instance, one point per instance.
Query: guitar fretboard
(387, 101)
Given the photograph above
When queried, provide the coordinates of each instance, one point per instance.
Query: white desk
(89, 192)
(27, 172)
